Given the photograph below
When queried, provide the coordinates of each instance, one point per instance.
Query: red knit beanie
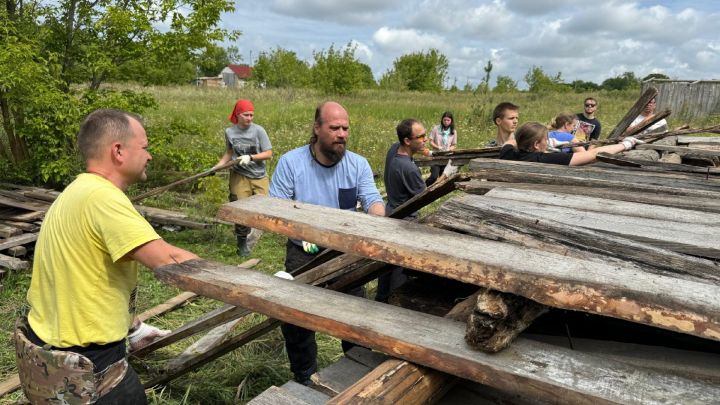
(240, 107)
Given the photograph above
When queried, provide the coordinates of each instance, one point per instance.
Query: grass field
(191, 120)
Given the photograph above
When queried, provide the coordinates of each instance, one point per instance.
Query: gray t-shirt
(248, 141)
(402, 179)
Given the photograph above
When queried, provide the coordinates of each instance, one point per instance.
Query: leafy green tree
(505, 84)
(625, 81)
(419, 71)
(581, 86)
(281, 68)
(539, 82)
(50, 45)
(656, 76)
(215, 58)
(484, 86)
(337, 71)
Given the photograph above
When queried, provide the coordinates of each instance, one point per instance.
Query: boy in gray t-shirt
(249, 143)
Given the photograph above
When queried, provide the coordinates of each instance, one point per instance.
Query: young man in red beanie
(249, 142)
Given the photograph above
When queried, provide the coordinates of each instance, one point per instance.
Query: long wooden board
(549, 278)
(704, 204)
(660, 181)
(691, 238)
(535, 369)
(18, 240)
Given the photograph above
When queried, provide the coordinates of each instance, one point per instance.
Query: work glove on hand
(145, 334)
(449, 169)
(243, 160)
(310, 247)
(630, 142)
(284, 274)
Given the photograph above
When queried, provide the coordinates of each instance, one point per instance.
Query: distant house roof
(241, 71)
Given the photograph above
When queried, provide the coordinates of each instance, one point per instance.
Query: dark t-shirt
(402, 179)
(559, 158)
(595, 134)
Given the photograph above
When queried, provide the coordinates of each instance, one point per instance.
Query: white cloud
(465, 17)
(362, 51)
(405, 40)
(540, 7)
(349, 11)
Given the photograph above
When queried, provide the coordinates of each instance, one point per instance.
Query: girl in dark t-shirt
(531, 142)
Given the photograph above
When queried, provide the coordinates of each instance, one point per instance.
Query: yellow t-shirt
(80, 289)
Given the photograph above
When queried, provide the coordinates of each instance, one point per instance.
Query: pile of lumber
(619, 244)
(459, 157)
(22, 209)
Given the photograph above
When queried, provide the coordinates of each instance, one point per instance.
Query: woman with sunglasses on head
(531, 144)
(443, 137)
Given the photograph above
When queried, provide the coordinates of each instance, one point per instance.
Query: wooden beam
(10, 385)
(680, 150)
(595, 176)
(476, 186)
(167, 306)
(699, 239)
(634, 111)
(621, 160)
(698, 140)
(18, 240)
(549, 278)
(531, 368)
(432, 193)
(13, 263)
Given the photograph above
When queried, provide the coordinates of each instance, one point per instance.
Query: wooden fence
(687, 99)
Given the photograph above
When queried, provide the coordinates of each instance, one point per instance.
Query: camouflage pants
(59, 376)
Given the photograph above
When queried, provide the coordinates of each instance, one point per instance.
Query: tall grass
(194, 119)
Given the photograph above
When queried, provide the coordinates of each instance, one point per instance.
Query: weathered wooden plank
(698, 140)
(601, 205)
(522, 176)
(277, 396)
(167, 306)
(476, 186)
(680, 150)
(691, 238)
(10, 385)
(549, 278)
(17, 251)
(25, 226)
(532, 368)
(597, 176)
(634, 111)
(432, 193)
(646, 123)
(657, 166)
(215, 337)
(13, 263)
(26, 216)
(18, 240)
(497, 222)
(216, 352)
(26, 205)
(7, 231)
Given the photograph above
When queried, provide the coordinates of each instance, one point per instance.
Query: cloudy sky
(586, 40)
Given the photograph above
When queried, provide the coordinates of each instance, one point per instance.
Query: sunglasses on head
(590, 105)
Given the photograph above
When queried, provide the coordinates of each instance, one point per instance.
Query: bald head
(326, 109)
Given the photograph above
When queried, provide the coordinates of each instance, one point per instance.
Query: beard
(334, 151)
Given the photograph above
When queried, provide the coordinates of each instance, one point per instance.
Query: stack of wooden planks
(635, 245)
(22, 209)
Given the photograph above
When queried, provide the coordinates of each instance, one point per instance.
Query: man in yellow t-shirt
(86, 256)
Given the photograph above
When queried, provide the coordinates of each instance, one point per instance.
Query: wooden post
(634, 111)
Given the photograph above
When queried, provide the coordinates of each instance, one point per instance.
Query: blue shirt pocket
(347, 198)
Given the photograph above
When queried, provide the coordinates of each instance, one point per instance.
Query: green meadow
(190, 123)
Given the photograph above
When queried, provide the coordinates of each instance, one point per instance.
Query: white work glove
(449, 169)
(310, 247)
(243, 160)
(630, 141)
(284, 274)
(145, 334)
